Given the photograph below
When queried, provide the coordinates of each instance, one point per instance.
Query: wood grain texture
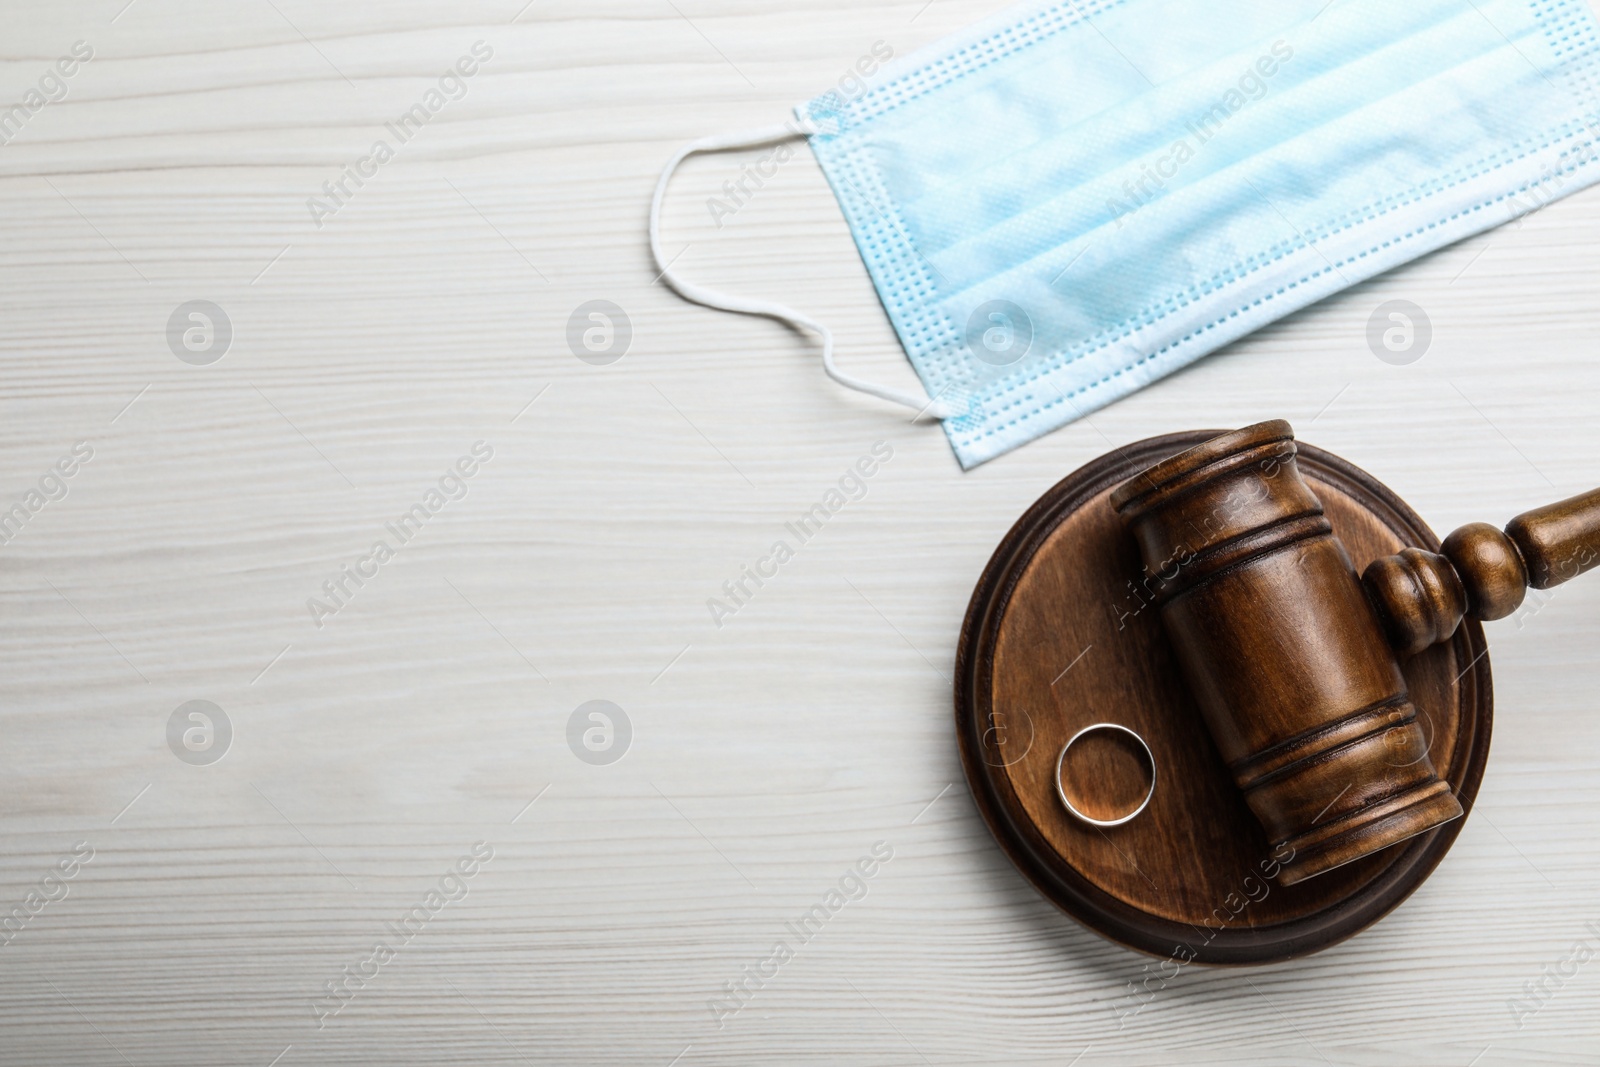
(768, 755)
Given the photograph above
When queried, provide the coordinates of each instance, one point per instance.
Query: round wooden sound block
(1058, 638)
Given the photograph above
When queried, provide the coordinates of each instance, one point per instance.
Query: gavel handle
(1482, 572)
(1559, 541)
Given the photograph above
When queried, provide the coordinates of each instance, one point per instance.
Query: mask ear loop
(746, 306)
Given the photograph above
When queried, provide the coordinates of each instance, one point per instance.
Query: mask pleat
(1347, 163)
(1114, 160)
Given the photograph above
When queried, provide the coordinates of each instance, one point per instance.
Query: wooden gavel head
(1294, 660)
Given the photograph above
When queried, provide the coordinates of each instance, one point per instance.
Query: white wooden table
(430, 711)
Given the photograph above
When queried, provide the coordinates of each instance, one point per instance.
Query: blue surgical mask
(1073, 200)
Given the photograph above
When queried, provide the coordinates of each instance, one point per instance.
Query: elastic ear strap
(745, 306)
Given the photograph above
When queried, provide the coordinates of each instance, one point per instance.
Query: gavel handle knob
(1482, 572)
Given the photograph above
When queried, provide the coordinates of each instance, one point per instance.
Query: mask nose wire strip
(748, 306)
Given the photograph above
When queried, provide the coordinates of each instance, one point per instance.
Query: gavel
(1294, 660)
